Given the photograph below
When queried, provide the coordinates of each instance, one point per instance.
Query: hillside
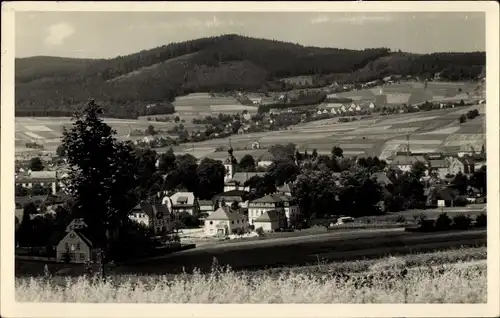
(125, 84)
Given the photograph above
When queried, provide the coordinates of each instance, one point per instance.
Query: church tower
(229, 164)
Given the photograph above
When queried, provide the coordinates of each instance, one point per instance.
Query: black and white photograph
(207, 156)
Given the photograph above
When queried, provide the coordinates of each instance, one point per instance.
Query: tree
(337, 152)
(36, 164)
(247, 163)
(166, 161)
(280, 151)
(314, 154)
(460, 183)
(61, 151)
(283, 170)
(151, 130)
(418, 169)
(102, 175)
(478, 180)
(210, 174)
(462, 119)
(443, 222)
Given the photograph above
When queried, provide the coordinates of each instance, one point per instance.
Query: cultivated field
(440, 277)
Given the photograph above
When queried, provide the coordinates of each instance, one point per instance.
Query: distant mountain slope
(125, 84)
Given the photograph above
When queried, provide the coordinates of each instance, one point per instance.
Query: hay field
(439, 277)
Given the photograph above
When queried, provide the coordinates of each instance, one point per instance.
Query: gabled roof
(270, 198)
(285, 188)
(43, 175)
(76, 224)
(268, 216)
(225, 213)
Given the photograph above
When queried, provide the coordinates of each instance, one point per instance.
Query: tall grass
(386, 281)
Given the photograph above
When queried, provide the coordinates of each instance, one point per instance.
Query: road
(332, 246)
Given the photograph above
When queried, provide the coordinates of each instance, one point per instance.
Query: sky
(109, 34)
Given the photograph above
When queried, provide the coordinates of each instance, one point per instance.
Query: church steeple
(229, 163)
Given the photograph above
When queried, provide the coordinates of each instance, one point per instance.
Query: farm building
(271, 220)
(181, 202)
(255, 145)
(269, 202)
(223, 222)
(155, 216)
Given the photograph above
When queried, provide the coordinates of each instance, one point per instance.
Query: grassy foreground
(419, 278)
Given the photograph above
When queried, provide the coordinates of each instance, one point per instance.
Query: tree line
(216, 64)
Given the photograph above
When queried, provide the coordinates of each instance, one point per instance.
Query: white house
(343, 108)
(269, 202)
(154, 216)
(74, 247)
(333, 111)
(358, 108)
(181, 202)
(371, 106)
(271, 220)
(223, 222)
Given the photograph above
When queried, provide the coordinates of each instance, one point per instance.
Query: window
(82, 256)
(211, 222)
(157, 229)
(232, 222)
(237, 221)
(77, 246)
(72, 256)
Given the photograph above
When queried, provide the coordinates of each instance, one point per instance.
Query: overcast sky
(109, 34)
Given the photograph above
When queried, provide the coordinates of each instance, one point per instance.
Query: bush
(443, 222)
(259, 231)
(462, 222)
(460, 201)
(481, 220)
(462, 119)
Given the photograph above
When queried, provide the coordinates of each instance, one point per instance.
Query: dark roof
(205, 202)
(270, 198)
(407, 160)
(225, 213)
(268, 216)
(267, 156)
(242, 177)
(233, 194)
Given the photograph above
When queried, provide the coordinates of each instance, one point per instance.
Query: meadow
(453, 276)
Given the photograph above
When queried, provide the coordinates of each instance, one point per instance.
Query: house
(333, 111)
(237, 181)
(255, 100)
(271, 220)
(181, 202)
(371, 106)
(76, 247)
(241, 131)
(265, 160)
(206, 207)
(155, 216)
(223, 222)
(469, 165)
(358, 108)
(440, 167)
(405, 163)
(319, 112)
(269, 202)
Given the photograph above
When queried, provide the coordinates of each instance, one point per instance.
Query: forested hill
(125, 84)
